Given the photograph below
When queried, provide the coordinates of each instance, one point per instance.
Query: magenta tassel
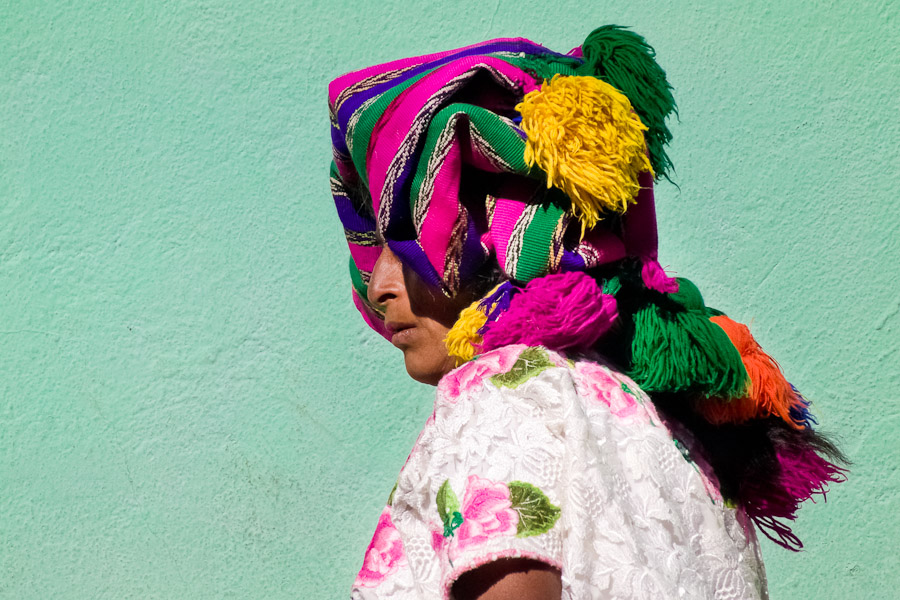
(803, 473)
(564, 310)
(655, 278)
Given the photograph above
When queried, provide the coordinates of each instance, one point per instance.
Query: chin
(428, 372)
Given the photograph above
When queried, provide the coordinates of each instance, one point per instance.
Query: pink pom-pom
(655, 278)
(564, 310)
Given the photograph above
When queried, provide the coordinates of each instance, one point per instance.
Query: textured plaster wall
(189, 405)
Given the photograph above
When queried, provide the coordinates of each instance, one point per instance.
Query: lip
(400, 332)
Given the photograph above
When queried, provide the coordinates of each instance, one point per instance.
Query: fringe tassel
(769, 393)
(463, 339)
(497, 302)
(583, 134)
(655, 278)
(677, 349)
(800, 412)
(803, 473)
(559, 311)
(624, 60)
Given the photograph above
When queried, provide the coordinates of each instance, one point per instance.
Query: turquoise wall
(190, 406)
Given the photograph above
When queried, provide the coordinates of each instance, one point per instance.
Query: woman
(497, 200)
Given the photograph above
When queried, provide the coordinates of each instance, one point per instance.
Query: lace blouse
(531, 454)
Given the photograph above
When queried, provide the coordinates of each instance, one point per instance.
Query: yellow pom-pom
(584, 134)
(463, 336)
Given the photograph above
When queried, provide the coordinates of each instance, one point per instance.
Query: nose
(386, 282)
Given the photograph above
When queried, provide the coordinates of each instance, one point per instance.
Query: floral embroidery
(537, 514)
(487, 512)
(471, 375)
(623, 479)
(531, 362)
(384, 554)
(490, 509)
(448, 509)
(437, 538)
(603, 387)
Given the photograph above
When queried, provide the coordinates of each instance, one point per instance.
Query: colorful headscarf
(414, 139)
(544, 162)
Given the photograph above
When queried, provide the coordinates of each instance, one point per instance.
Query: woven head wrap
(542, 163)
(556, 151)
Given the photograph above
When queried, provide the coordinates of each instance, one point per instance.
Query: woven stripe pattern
(429, 152)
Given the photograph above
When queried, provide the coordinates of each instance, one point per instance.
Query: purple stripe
(338, 141)
(351, 219)
(354, 102)
(473, 254)
(400, 222)
(413, 256)
(571, 261)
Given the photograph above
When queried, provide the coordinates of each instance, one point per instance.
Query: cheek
(435, 350)
(431, 304)
(427, 361)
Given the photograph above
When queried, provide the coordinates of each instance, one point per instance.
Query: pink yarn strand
(564, 310)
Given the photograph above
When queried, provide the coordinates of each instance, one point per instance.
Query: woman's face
(417, 316)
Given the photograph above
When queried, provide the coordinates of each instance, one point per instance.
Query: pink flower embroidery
(487, 513)
(384, 554)
(471, 375)
(437, 538)
(605, 388)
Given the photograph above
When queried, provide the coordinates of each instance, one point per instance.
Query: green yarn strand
(624, 60)
(612, 286)
(681, 350)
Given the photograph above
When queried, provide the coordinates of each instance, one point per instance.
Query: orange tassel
(769, 392)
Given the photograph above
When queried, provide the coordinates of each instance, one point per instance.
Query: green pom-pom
(688, 295)
(676, 348)
(624, 60)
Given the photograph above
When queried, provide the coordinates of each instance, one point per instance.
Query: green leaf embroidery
(630, 392)
(391, 497)
(531, 362)
(448, 509)
(537, 514)
(451, 525)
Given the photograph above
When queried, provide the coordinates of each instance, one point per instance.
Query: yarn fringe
(800, 412)
(623, 59)
(769, 393)
(583, 134)
(655, 278)
(677, 349)
(497, 302)
(560, 311)
(803, 474)
(463, 340)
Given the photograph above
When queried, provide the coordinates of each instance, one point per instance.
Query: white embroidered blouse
(530, 454)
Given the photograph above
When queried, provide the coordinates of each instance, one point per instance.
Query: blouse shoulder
(508, 366)
(506, 369)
